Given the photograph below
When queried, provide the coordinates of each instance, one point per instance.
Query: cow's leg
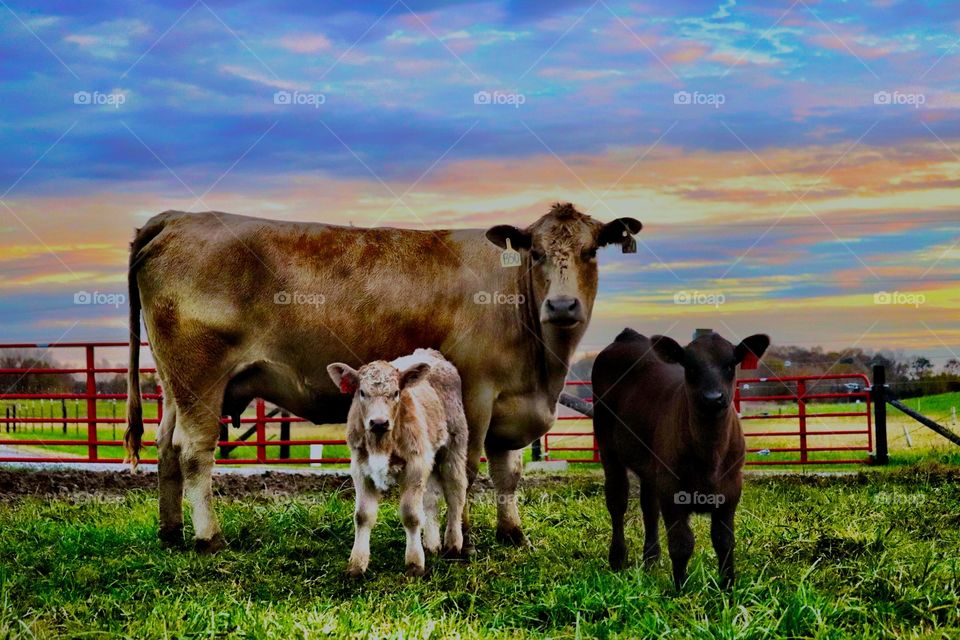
(454, 483)
(411, 514)
(721, 534)
(650, 506)
(364, 518)
(478, 407)
(505, 468)
(679, 539)
(170, 479)
(616, 489)
(196, 437)
(431, 525)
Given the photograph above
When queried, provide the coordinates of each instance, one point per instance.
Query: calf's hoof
(461, 554)
(512, 536)
(211, 546)
(171, 537)
(617, 558)
(354, 573)
(416, 571)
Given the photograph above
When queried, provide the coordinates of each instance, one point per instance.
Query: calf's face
(562, 248)
(376, 389)
(709, 366)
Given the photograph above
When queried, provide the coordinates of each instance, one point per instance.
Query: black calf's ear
(755, 344)
(613, 232)
(498, 235)
(413, 374)
(344, 376)
(668, 350)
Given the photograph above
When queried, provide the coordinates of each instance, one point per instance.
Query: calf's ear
(755, 344)
(413, 374)
(344, 376)
(668, 350)
(617, 231)
(498, 235)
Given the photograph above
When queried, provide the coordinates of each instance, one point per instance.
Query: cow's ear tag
(510, 257)
(629, 244)
(346, 386)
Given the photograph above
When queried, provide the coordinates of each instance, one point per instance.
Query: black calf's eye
(362, 394)
(589, 254)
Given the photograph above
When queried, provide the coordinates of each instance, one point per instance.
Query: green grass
(871, 556)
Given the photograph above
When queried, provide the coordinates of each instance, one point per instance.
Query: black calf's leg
(616, 489)
(721, 534)
(651, 522)
(679, 540)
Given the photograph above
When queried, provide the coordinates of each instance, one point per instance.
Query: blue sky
(797, 156)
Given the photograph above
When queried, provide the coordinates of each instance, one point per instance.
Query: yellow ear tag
(629, 243)
(510, 257)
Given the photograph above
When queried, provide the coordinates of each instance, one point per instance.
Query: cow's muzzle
(378, 426)
(565, 312)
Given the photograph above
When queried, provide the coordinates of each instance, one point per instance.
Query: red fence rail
(801, 390)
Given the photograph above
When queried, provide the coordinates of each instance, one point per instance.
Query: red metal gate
(800, 391)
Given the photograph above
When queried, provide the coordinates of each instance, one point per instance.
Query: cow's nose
(562, 304)
(378, 425)
(714, 398)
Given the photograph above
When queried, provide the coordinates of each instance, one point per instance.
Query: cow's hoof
(512, 536)
(460, 555)
(432, 551)
(211, 546)
(416, 571)
(354, 573)
(617, 559)
(171, 537)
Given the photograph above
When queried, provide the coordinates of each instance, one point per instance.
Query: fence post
(802, 414)
(879, 392)
(284, 435)
(91, 405)
(535, 450)
(63, 411)
(261, 431)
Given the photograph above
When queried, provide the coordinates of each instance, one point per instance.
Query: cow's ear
(414, 374)
(344, 376)
(755, 344)
(668, 350)
(519, 239)
(618, 231)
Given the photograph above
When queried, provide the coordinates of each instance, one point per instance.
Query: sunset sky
(789, 160)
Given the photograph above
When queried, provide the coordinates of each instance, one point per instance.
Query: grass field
(908, 440)
(869, 556)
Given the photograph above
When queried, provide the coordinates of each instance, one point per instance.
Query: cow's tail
(133, 437)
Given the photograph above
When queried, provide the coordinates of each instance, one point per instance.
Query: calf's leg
(721, 534)
(453, 478)
(616, 488)
(650, 505)
(431, 525)
(505, 468)
(412, 516)
(679, 539)
(170, 479)
(364, 518)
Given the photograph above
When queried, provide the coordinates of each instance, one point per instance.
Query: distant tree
(952, 367)
(921, 367)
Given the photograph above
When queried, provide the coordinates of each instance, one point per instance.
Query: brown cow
(406, 423)
(238, 308)
(665, 412)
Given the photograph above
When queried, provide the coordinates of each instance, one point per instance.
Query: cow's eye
(536, 255)
(362, 394)
(589, 254)
(396, 395)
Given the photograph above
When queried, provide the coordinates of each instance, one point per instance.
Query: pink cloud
(305, 43)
